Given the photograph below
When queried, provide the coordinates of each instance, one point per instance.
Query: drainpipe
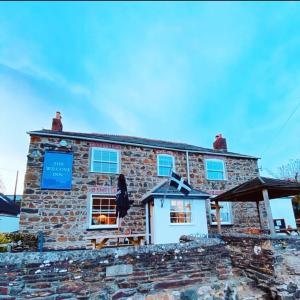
(188, 167)
(147, 222)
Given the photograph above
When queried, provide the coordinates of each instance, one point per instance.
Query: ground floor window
(225, 214)
(180, 211)
(103, 212)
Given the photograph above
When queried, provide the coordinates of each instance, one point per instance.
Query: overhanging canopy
(251, 191)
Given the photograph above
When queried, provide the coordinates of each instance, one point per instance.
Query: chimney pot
(220, 143)
(56, 122)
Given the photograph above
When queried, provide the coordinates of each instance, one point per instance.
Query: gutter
(133, 144)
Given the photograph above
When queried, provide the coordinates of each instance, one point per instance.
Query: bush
(19, 241)
(4, 239)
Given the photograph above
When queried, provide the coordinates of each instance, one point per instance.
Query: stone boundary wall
(272, 262)
(112, 273)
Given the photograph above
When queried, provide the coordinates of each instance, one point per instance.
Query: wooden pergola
(256, 190)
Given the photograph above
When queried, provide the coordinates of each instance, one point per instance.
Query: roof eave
(141, 145)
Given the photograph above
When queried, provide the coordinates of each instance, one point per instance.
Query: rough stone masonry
(236, 267)
(112, 273)
(63, 215)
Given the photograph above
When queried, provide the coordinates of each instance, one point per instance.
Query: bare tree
(291, 171)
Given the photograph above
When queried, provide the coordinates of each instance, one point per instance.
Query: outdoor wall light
(63, 143)
(35, 154)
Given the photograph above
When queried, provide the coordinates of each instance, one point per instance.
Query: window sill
(96, 172)
(225, 224)
(216, 179)
(102, 228)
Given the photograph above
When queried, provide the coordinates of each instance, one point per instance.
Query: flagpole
(169, 180)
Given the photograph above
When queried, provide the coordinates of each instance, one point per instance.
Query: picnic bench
(133, 239)
(289, 231)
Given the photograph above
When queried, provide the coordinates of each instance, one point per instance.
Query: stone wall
(272, 262)
(63, 215)
(112, 273)
(236, 267)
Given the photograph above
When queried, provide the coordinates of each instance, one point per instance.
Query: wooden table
(134, 239)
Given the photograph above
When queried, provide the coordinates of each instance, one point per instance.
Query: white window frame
(181, 224)
(90, 212)
(230, 222)
(157, 163)
(224, 169)
(107, 150)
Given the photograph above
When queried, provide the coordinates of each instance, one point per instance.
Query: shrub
(19, 241)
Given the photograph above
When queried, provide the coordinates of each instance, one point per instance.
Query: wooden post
(147, 222)
(269, 212)
(218, 216)
(259, 216)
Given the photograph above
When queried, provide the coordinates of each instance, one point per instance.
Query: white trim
(157, 163)
(90, 226)
(223, 154)
(180, 194)
(224, 169)
(147, 223)
(106, 150)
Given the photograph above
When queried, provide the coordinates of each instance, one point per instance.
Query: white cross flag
(179, 183)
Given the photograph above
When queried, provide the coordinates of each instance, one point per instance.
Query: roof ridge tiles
(127, 136)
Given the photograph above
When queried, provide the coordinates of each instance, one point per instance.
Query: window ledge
(103, 228)
(226, 224)
(216, 179)
(96, 172)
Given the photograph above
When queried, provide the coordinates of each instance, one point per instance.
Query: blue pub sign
(57, 171)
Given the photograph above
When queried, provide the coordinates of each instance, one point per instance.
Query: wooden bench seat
(134, 239)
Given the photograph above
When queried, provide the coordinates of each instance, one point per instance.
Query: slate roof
(8, 207)
(252, 190)
(137, 141)
(163, 189)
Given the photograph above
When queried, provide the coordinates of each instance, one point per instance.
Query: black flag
(179, 183)
(122, 200)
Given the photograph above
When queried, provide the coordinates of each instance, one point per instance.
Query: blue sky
(175, 71)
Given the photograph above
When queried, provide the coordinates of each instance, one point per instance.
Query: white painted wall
(165, 232)
(282, 208)
(9, 223)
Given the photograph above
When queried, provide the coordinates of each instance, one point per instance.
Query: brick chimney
(56, 122)
(220, 143)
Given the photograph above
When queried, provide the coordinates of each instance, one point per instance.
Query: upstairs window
(215, 169)
(105, 160)
(165, 163)
(103, 212)
(225, 214)
(180, 212)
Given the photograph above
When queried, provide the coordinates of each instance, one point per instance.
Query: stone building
(82, 202)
